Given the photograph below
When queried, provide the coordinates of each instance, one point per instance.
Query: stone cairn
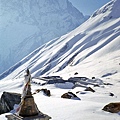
(27, 109)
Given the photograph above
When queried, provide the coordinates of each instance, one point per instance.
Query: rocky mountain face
(27, 24)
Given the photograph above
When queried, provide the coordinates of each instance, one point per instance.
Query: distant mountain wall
(27, 24)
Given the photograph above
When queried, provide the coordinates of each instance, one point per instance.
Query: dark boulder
(111, 94)
(8, 100)
(76, 73)
(89, 89)
(112, 107)
(45, 91)
(93, 77)
(66, 95)
(70, 95)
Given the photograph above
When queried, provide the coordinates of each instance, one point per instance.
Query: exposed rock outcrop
(89, 89)
(112, 107)
(8, 100)
(45, 91)
(70, 95)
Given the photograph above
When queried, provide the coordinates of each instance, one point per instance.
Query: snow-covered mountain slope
(26, 25)
(93, 49)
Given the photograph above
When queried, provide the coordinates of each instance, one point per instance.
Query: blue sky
(87, 7)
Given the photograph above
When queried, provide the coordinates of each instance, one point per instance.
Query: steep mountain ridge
(110, 9)
(26, 25)
(93, 46)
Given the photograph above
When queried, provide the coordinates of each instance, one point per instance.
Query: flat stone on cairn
(28, 109)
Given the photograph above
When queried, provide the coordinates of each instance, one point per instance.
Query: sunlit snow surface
(91, 50)
(88, 108)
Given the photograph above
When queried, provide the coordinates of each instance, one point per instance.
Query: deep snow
(91, 50)
(89, 107)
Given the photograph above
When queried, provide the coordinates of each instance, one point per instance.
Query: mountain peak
(111, 9)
